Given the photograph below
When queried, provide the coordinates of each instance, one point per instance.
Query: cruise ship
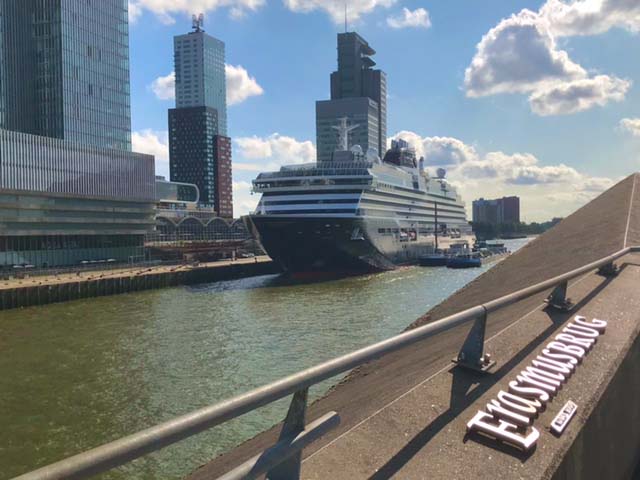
(357, 213)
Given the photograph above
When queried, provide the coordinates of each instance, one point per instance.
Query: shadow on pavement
(463, 393)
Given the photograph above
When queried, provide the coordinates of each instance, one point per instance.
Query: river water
(79, 374)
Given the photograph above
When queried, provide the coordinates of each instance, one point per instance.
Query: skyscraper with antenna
(199, 148)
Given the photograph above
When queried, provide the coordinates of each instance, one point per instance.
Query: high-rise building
(505, 210)
(200, 74)
(65, 70)
(191, 157)
(359, 93)
(71, 190)
(3, 70)
(199, 150)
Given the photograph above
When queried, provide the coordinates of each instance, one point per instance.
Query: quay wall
(25, 296)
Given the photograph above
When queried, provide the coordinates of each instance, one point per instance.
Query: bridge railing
(283, 460)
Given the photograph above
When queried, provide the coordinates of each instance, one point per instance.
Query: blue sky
(543, 103)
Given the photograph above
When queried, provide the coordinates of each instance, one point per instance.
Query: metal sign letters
(509, 417)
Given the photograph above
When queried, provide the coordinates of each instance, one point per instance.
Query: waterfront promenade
(405, 415)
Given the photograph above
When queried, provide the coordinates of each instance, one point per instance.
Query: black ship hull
(332, 244)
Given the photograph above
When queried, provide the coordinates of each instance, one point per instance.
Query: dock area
(44, 289)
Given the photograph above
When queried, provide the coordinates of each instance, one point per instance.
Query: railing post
(558, 298)
(608, 270)
(294, 423)
(472, 354)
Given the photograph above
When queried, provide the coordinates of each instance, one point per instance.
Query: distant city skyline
(556, 133)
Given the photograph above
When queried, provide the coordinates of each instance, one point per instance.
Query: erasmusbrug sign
(509, 417)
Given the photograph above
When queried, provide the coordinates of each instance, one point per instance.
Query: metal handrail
(124, 450)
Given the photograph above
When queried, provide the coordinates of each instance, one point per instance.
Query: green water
(79, 374)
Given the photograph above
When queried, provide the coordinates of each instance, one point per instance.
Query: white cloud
(590, 17)
(578, 95)
(543, 188)
(438, 151)
(274, 151)
(164, 9)
(631, 125)
(521, 55)
(154, 143)
(257, 154)
(135, 11)
(518, 55)
(418, 18)
(164, 87)
(244, 202)
(240, 85)
(335, 8)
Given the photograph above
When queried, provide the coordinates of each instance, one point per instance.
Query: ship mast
(435, 230)
(344, 130)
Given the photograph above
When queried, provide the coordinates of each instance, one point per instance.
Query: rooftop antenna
(197, 22)
(345, 16)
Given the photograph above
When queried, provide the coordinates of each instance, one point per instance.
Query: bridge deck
(422, 433)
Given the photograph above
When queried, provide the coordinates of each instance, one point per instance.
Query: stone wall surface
(608, 445)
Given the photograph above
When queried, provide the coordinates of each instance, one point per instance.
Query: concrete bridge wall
(608, 445)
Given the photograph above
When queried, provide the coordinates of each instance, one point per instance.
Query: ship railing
(316, 172)
(284, 458)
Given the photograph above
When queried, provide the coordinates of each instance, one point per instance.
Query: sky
(539, 99)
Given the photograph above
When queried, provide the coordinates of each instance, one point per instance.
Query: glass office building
(199, 149)
(48, 165)
(62, 203)
(359, 93)
(200, 74)
(65, 70)
(71, 190)
(3, 71)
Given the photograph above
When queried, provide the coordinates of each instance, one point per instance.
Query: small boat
(464, 261)
(433, 260)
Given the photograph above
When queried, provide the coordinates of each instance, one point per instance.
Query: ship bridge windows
(309, 193)
(314, 211)
(311, 182)
(316, 201)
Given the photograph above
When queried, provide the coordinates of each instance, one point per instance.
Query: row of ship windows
(442, 200)
(443, 213)
(424, 231)
(307, 212)
(295, 183)
(363, 212)
(422, 206)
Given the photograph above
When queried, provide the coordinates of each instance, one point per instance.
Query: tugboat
(464, 260)
(434, 260)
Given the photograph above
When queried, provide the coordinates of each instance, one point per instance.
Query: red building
(510, 210)
(223, 198)
(501, 210)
